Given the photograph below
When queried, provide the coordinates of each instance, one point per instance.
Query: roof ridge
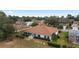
(42, 29)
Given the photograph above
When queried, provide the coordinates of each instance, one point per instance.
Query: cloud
(10, 12)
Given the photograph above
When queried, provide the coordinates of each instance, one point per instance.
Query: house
(74, 36)
(64, 27)
(41, 31)
(29, 23)
(75, 26)
(74, 33)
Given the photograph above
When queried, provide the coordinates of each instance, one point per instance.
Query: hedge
(58, 45)
(54, 45)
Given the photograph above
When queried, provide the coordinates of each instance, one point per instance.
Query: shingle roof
(42, 29)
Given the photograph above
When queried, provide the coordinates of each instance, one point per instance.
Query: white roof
(74, 25)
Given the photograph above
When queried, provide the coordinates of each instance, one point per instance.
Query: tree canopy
(77, 18)
(6, 27)
(69, 16)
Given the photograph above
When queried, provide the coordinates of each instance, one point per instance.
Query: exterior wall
(74, 36)
(50, 38)
(56, 33)
(64, 27)
(31, 36)
(42, 36)
(29, 23)
(77, 39)
(36, 35)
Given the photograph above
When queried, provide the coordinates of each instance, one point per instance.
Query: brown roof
(42, 29)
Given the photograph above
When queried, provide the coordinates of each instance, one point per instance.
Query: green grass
(63, 40)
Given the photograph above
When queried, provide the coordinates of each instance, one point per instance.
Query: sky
(41, 12)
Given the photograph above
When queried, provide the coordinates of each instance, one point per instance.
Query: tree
(60, 26)
(2, 35)
(6, 27)
(26, 18)
(52, 20)
(69, 16)
(34, 23)
(77, 18)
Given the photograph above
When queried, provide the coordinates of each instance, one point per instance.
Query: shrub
(66, 34)
(60, 26)
(64, 46)
(55, 37)
(58, 45)
(34, 24)
(2, 35)
(19, 35)
(54, 45)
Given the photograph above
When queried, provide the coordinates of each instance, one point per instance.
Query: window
(38, 36)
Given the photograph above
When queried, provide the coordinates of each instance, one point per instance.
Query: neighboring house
(64, 27)
(75, 26)
(41, 31)
(74, 36)
(29, 23)
(74, 33)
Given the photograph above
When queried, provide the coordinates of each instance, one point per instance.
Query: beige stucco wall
(56, 33)
(42, 36)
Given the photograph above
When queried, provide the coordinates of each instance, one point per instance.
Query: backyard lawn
(63, 40)
(36, 43)
(24, 43)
